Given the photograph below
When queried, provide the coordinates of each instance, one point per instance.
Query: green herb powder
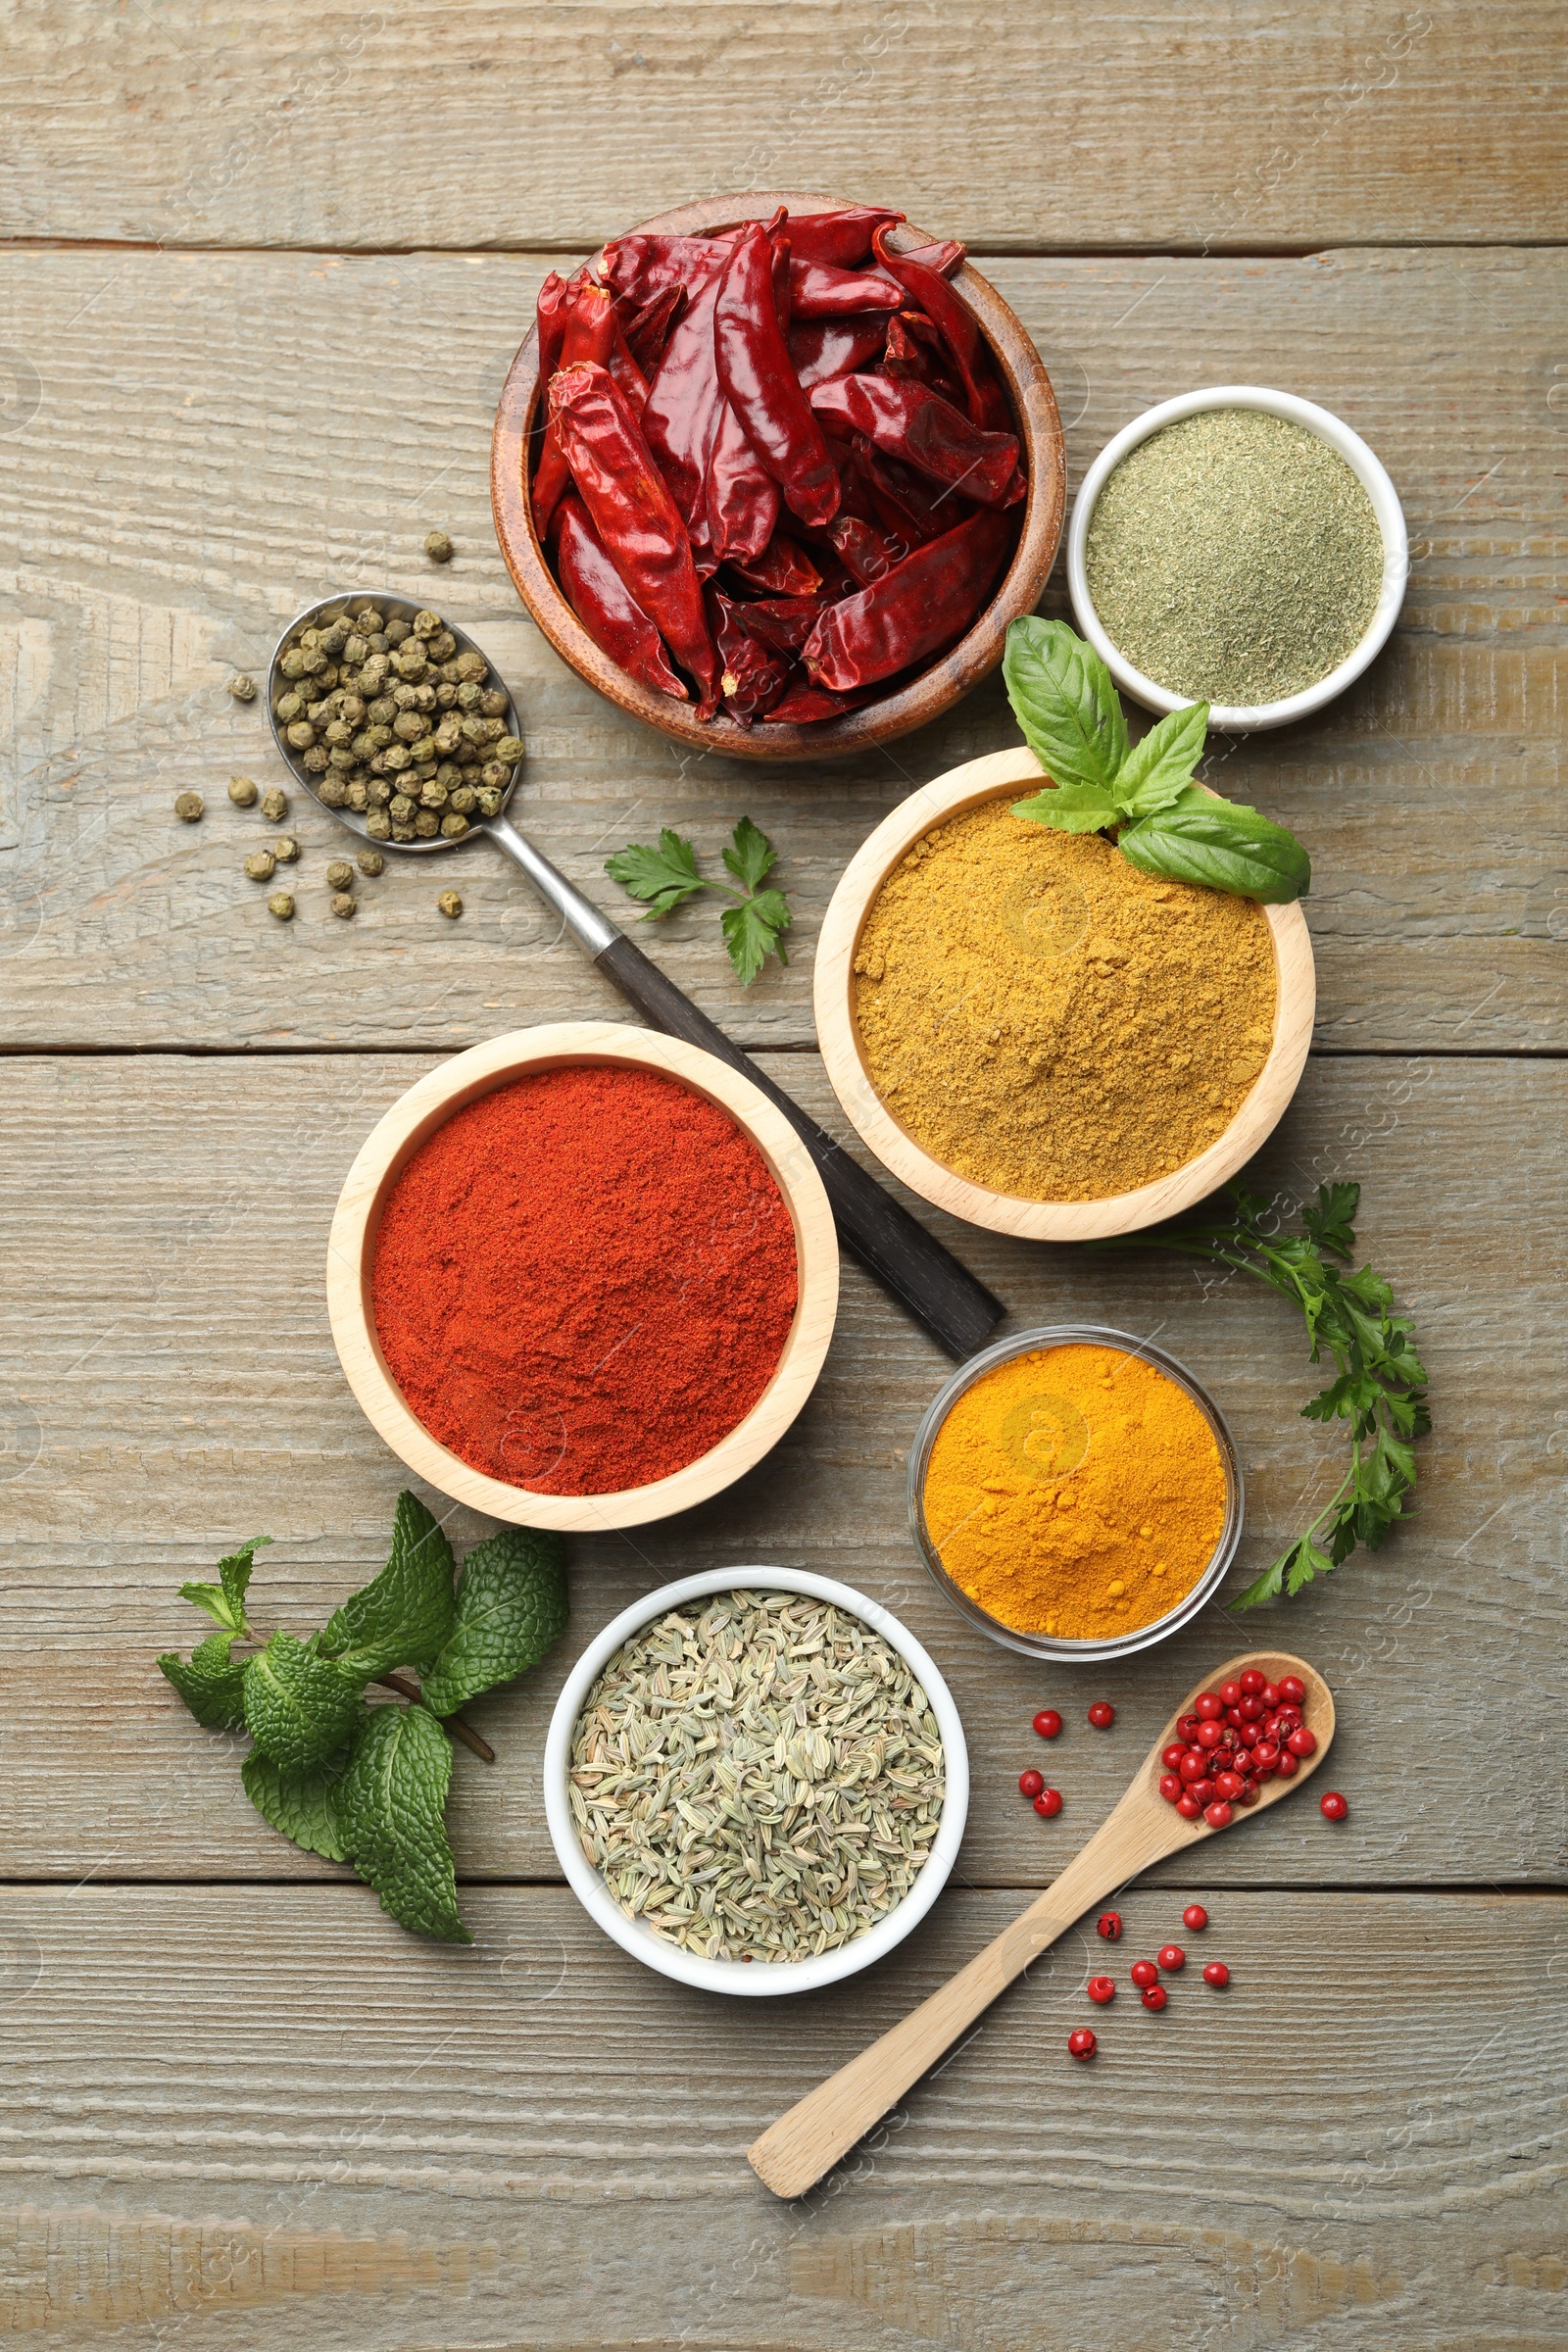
(1234, 557)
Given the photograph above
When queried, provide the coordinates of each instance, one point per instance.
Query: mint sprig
(666, 877)
(368, 1784)
(1065, 701)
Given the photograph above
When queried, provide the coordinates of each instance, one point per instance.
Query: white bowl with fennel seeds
(1241, 547)
(750, 1752)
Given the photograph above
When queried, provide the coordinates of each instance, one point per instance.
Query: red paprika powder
(584, 1279)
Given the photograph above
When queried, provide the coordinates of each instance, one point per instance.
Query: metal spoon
(958, 1310)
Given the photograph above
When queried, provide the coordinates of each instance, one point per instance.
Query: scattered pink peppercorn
(1049, 1803)
(1108, 1925)
(1217, 1974)
(1331, 1805)
(1195, 1919)
(1030, 1784)
(1101, 1714)
(1081, 2043)
(1048, 1723)
(1154, 1997)
(1172, 1958)
(1102, 1990)
(1144, 1972)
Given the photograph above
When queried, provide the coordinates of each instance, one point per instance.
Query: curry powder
(1048, 1021)
(1075, 1492)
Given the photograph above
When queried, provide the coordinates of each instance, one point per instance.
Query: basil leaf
(1063, 698)
(1070, 809)
(1156, 771)
(1219, 845)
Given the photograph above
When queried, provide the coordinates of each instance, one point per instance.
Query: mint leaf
(1220, 844)
(1063, 698)
(301, 1805)
(298, 1706)
(211, 1683)
(668, 875)
(511, 1608)
(225, 1601)
(752, 856)
(1155, 771)
(1070, 809)
(751, 932)
(402, 1617)
(390, 1807)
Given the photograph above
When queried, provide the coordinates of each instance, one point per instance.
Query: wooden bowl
(939, 686)
(415, 1116)
(999, 776)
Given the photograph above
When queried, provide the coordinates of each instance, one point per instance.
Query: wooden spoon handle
(822, 2126)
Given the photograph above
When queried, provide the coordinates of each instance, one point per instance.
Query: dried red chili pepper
(782, 568)
(605, 605)
(682, 414)
(946, 255)
(959, 328)
(644, 264)
(783, 622)
(742, 495)
(752, 678)
(634, 514)
(646, 325)
(915, 351)
(867, 552)
(761, 385)
(804, 703)
(903, 498)
(589, 333)
(556, 298)
(842, 238)
(819, 291)
(822, 348)
(924, 604)
(908, 421)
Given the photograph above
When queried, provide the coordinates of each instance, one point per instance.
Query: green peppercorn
(242, 688)
(438, 546)
(302, 734)
(474, 667)
(314, 762)
(397, 756)
(261, 866)
(274, 804)
(402, 808)
(424, 752)
(332, 792)
(493, 773)
(401, 832)
(450, 904)
(469, 695)
(242, 792)
(369, 620)
(378, 825)
(426, 824)
(503, 746)
(489, 800)
(370, 861)
(465, 799)
(443, 646)
(427, 624)
(285, 848)
(378, 791)
(493, 703)
(432, 794)
(344, 905)
(188, 806)
(445, 695)
(339, 875)
(358, 797)
(454, 827)
(292, 664)
(289, 706)
(397, 628)
(282, 904)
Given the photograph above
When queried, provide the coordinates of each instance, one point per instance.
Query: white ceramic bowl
(1241, 717)
(754, 1978)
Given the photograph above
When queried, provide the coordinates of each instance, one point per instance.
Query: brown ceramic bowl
(938, 687)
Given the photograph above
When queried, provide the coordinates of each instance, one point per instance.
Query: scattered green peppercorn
(242, 792)
(370, 861)
(242, 688)
(344, 903)
(261, 866)
(285, 848)
(274, 804)
(438, 546)
(188, 806)
(282, 904)
(340, 874)
(450, 904)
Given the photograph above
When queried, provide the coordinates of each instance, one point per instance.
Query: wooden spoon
(1144, 1829)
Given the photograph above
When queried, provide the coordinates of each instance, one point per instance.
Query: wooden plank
(260, 453)
(172, 1388)
(1253, 124)
(266, 2117)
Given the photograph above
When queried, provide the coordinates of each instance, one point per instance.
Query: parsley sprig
(1381, 1385)
(666, 877)
(368, 1785)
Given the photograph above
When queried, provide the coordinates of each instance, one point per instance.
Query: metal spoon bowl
(337, 608)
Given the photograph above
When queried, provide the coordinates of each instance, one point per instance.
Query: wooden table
(266, 272)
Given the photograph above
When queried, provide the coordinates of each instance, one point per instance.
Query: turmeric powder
(1075, 1492)
(1047, 1020)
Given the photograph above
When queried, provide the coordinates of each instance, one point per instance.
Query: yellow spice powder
(1046, 1020)
(1075, 1492)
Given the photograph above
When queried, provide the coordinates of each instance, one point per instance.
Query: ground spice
(1047, 1020)
(1075, 1492)
(584, 1279)
(1234, 558)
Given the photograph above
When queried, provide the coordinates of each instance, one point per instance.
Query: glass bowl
(1048, 1645)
